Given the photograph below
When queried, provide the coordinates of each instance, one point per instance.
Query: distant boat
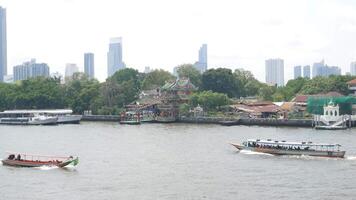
(26, 117)
(65, 116)
(291, 148)
(39, 117)
(28, 160)
(130, 118)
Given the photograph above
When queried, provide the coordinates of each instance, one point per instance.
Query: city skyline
(277, 31)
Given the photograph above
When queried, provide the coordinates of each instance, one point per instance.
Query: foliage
(209, 100)
(81, 93)
(249, 86)
(156, 79)
(189, 71)
(221, 80)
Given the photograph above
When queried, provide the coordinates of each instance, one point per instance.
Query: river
(173, 161)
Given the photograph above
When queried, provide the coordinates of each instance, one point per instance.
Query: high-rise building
(89, 64)
(147, 70)
(115, 62)
(202, 64)
(275, 72)
(306, 71)
(71, 68)
(30, 69)
(320, 69)
(297, 71)
(353, 68)
(3, 44)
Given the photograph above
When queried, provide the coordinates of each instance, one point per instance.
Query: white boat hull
(69, 119)
(336, 154)
(29, 121)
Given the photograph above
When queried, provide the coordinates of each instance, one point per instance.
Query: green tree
(221, 80)
(156, 79)
(81, 93)
(266, 92)
(189, 71)
(249, 86)
(209, 100)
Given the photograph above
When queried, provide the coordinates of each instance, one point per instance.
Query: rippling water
(173, 161)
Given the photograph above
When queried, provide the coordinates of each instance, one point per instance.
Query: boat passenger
(11, 157)
(18, 157)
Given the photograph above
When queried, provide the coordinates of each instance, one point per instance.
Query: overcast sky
(166, 33)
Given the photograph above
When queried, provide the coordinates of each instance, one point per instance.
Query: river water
(173, 161)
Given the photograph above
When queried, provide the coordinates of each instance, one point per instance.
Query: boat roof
(36, 155)
(283, 142)
(54, 111)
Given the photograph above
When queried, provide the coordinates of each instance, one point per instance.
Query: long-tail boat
(28, 160)
(291, 148)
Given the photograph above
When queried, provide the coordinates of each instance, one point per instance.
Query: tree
(38, 93)
(266, 92)
(221, 80)
(156, 79)
(189, 71)
(209, 100)
(81, 93)
(249, 86)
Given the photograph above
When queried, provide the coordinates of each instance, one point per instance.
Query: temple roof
(179, 84)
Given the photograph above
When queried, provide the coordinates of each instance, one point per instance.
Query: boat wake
(46, 168)
(248, 152)
(350, 157)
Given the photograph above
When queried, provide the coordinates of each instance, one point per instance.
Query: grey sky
(163, 34)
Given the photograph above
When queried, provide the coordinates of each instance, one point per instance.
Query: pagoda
(173, 94)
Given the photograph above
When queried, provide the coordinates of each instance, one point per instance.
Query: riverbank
(225, 121)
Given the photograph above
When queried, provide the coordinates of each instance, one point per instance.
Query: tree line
(216, 87)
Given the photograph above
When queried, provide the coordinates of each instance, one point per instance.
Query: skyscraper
(3, 44)
(353, 68)
(71, 68)
(275, 72)
(115, 62)
(306, 71)
(320, 69)
(297, 71)
(202, 64)
(30, 69)
(89, 64)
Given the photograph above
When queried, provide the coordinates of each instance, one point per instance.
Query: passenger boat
(28, 160)
(65, 116)
(26, 117)
(291, 148)
(130, 117)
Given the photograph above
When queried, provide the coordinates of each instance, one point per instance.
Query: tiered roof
(180, 84)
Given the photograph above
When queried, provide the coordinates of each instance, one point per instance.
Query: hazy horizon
(164, 34)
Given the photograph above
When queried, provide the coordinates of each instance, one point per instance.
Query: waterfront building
(30, 69)
(275, 72)
(297, 71)
(3, 44)
(114, 56)
(71, 68)
(306, 71)
(321, 69)
(202, 64)
(89, 64)
(173, 94)
(353, 68)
